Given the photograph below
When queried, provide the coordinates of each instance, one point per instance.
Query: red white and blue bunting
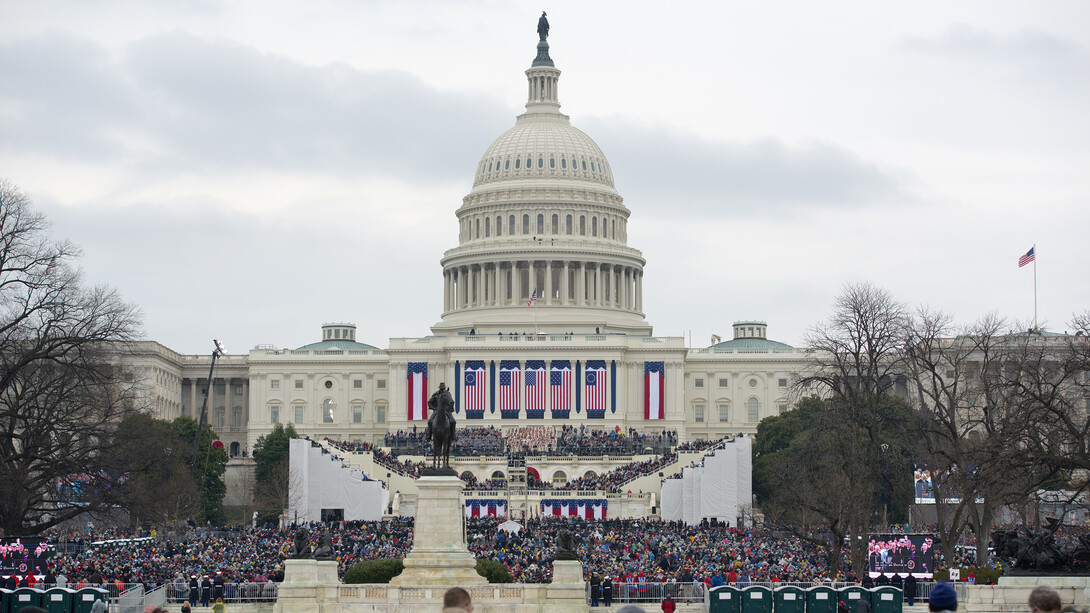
(486, 507)
(594, 508)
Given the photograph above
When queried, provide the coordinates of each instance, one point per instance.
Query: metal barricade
(634, 592)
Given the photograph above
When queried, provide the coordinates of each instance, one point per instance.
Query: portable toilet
(24, 597)
(821, 599)
(58, 600)
(722, 599)
(886, 599)
(5, 598)
(852, 595)
(789, 599)
(86, 597)
(757, 599)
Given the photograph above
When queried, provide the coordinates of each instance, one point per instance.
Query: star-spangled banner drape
(486, 507)
(474, 386)
(417, 374)
(510, 374)
(596, 382)
(654, 396)
(560, 389)
(583, 508)
(536, 382)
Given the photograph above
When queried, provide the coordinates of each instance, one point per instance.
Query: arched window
(236, 417)
(540, 224)
(499, 226)
(559, 478)
(525, 224)
(511, 225)
(563, 163)
(584, 164)
(724, 411)
(234, 449)
(380, 412)
(518, 163)
(556, 224)
(274, 413)
(582, 225)
(487, 227)
(490, 167)
(541, 162)
(221, 417)
(590, 474)
(594, 226)
(552, 162)
(613, 229)
(506, 164)
(466, 476)
(753, 409)
(498, 476)
(327, 411)
(529, 163)
(567, 225)
(478, 225)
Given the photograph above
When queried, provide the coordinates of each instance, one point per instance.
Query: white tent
(719, 489)
(317, 481)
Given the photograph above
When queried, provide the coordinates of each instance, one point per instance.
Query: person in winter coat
(668, 605)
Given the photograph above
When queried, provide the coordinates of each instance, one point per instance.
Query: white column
(599, 295)
(580, 283)
(516, 274)
(564, 284)
(548, 281)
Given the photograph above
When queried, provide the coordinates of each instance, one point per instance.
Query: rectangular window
(380, 414)
(357, 414)
(380, 384)
(298, 384)
(357, 384)
(237, 390)
(783, 382)
(274, 384)
(274, 415)
(783, 408)
(724, 411)
(698, 412)
(327, 414)
(698, 382)
(299, 414)
(724, 382)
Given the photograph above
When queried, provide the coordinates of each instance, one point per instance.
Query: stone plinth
(439, 555)
(309, 585)
(567, 592)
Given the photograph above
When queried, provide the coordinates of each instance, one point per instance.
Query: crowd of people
(614, 548)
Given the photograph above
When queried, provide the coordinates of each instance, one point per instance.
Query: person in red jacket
(668, 605)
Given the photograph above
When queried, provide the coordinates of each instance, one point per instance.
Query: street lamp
(887, 487)
(217, 351)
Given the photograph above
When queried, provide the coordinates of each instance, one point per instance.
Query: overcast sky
(248, 170)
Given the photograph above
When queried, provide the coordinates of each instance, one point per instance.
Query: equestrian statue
(441, 424)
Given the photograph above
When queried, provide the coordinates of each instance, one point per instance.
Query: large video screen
(902, 554)
(23, 555)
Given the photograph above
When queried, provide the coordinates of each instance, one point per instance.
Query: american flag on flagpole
(560, 388)
(510, 376)
(1028, 257)
(474, 387)
(536, 383)
(596, 381)
(533, 299)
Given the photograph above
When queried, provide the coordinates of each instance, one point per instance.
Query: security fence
(623, 592)
(231, 592)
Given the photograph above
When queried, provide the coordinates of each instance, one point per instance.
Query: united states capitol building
(544, 226)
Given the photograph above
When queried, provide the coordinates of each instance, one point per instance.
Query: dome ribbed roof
(343, 344)
(553, 148)
(751, 343)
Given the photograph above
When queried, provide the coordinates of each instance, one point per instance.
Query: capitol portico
(543, 323)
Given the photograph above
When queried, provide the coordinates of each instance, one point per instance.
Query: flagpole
(1034, 287)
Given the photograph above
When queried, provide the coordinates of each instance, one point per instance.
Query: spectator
(942, 598)
(457, 600)
(1044, 599)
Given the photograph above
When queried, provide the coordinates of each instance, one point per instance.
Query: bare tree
(62, 391)
(857, 365)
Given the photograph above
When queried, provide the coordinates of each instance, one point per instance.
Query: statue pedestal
(439, 555)
(567, 592)
(308, 584)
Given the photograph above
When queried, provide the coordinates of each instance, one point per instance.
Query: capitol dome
(543, 147)
(542, 227)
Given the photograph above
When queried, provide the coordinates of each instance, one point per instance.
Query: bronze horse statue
(441, 426)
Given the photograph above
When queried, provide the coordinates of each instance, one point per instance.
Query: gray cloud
(704, 177)
(176, 102)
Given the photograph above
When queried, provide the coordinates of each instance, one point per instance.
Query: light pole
(887, 487)
(217, 351)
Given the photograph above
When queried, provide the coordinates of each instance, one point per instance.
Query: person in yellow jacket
(219, 607)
